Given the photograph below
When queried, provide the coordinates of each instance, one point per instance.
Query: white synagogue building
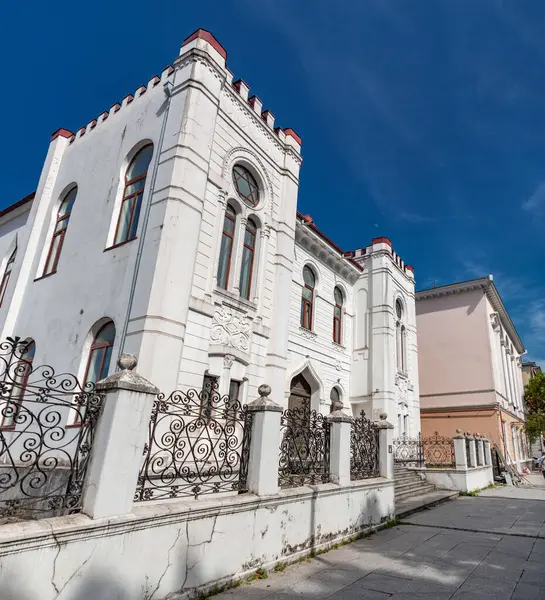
(168, 227)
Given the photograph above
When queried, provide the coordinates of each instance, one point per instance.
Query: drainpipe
(167, 88)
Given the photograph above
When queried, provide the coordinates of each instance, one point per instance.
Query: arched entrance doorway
(300, 394)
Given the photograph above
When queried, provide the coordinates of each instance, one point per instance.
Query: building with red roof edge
(167, 227)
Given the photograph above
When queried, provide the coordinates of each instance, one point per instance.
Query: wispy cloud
(536, 202)
(415, 218)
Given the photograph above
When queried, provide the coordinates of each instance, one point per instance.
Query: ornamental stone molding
(228, 361)
(306, 333)
(495, 320)
(230, 329)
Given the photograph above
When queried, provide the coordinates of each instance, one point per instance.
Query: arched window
(246, 186)
(100, 354)
(307, 298)
(7, 275)
(226, 250)
(135, 181)
(335, 397)
(63, 217)
(19, 373)
(248, 252)
(401, 338)
(338, 316)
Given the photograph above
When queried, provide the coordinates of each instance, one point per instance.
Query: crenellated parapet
(382, 245)
(201, 40)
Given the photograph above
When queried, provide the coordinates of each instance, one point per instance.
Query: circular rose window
(246, 185)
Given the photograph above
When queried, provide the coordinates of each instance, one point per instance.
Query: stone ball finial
(264, 390)
(458, 431)
(383, 416)
(127, 362)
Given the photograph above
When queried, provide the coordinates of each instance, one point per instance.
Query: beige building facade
(470, 366)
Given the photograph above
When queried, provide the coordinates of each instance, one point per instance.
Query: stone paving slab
(424, 560)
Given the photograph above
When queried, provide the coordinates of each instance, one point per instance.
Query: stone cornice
(325, 253)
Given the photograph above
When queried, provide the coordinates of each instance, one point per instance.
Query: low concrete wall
(462, 480)
(166, 547)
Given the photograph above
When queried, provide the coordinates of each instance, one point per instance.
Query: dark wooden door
(300, 394)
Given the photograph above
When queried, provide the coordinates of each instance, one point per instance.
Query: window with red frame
(307, 298)
(19, 371)
(248, 252)
(131, 203)
(6, 276)
(57, 241)
(100, 354)
(226, 250)
(337, 316)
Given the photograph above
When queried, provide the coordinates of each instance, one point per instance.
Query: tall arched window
(401, 335)
(248, 252)
(307, 298)
(226, 250)
(20, 371)
(7, 275)
(131, 203)
(100, 354)
(335, 397)
(338, 316)
(63, 217)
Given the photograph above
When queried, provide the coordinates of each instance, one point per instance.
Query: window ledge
(45, 276)
(120, 244)
(338, 347)
(308, 333)
(236, 300)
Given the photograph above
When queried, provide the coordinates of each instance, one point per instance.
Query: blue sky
(422, 120)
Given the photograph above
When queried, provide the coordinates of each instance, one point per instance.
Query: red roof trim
(17, 204)
(289, 131)
(61, 133)
(310, 224)
(381, 240)
(202, 34)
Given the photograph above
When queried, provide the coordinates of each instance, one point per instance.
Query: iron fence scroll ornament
(364, 448)
(304, 447)
(47, 425)
(198, 443)
(408, 451)
(438, 451)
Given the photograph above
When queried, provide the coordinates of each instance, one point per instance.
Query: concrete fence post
(264, 444)
(487, 453)
(472, 451)
(386, 449)
(339, 451)
(460, 455)
(119, 441)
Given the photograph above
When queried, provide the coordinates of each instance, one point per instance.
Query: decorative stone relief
(309, 335)
(230, 329)
(495, 319)
(402, 389)
(228, 361)
(338, 365)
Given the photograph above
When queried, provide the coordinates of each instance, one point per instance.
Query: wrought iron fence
(408, 451)
(304, 448)
(364, 448)
(198, 443)
(468, 453)
(47, 424)
(438, 451)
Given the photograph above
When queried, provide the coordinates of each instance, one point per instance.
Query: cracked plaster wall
(164, 548)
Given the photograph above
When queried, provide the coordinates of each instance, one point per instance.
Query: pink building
(469, 356)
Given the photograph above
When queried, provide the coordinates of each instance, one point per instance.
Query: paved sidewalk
(426, 560)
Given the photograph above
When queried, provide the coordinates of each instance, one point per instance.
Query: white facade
(160, 288)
